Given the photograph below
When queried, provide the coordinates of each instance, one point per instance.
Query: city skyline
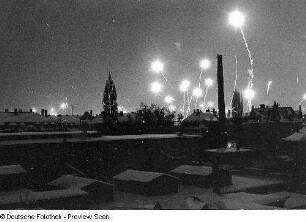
(51, 51)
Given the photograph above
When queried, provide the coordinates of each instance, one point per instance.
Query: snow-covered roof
(55, 194)
(19, 196)
(199, 117)
(136, 175)
(194, 170)
(12, 169)
(296, 137)
(71, 181)
(25, 117)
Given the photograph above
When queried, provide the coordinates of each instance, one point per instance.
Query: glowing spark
(178, 46)
(156, 87)
(209, 82)
(184, 85)
(53, 113)
(172, 108)
(210, 104)
(34, 110)
(236, 19)
(249, 94)
(123, 109)
(202, 106)
(302, 100)
(157, 66)
(197, 92)
(205, 64)
(268, 88)
(168, 99)
(63, 105)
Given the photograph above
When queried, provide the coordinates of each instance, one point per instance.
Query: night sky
(50, 50)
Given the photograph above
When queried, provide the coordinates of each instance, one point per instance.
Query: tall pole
(220, 80)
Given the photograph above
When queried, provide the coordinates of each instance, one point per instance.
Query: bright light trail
(236, 19)
(268, 87)
(236, 76)
(208, 82)
(197, 92)
(184, 86)
(204, 64)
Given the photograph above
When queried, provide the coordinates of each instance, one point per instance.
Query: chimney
(31, 111)
(121, 113)
(221, 104)
(46, 112)
(91, 113)
(15, 111)
(42, 112)
(6, 110)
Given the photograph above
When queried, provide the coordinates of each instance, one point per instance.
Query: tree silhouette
(237, 105)
(110, 99)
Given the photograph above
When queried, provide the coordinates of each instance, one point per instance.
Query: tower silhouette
(110, 98)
